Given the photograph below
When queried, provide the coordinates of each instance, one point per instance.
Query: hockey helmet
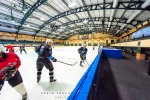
(1, 48)
(48, 41)
(84, 45)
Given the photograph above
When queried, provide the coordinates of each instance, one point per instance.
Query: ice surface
(67, 76)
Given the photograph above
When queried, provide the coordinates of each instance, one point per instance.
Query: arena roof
(64, 18)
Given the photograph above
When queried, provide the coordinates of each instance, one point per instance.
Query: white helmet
(48, 40)
(84, 44)
(1, 48)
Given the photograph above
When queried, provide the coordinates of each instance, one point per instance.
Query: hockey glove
(84, 56)
(10, 73)
(54, 59)
(79, 52)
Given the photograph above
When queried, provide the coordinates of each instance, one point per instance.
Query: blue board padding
(82, 89)
(112, 53)
(85, 89)
(80, 83)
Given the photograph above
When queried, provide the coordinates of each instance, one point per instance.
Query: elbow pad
(50, 58)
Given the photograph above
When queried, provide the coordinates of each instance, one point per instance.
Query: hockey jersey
(22, 47)
(82, 51)
(44, 51)
(9, 48)
(9, 60)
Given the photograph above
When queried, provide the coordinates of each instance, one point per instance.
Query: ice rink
(67, 76)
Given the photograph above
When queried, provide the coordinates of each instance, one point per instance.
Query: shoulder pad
(11, 54)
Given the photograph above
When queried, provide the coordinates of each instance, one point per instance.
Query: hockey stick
(1, 87)
(87, 63)
(68, 64)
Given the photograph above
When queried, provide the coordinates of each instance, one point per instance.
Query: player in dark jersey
(44, 56)
(10, 48)
(9, 64)
(22, 48)
(82, 51)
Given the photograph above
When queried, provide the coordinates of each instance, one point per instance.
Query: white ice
(67, 76)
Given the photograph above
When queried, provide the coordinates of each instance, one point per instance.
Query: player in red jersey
(9, 64)
(9, 48)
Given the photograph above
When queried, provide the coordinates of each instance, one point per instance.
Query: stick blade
(74, 63)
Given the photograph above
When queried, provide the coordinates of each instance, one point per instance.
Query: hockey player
(82, 51)
(22, 48)
(93, 47)
(10, 48)
(44, 56)
(9, 64)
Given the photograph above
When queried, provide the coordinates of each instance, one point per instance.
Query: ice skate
(24, 97)
(52, 81)
(81, 64)
(38, 79)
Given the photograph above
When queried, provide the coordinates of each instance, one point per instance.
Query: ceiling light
(12, 21)
(109, 24)
(85, 21)
(71, 5)
(133, 16)
(24, 11)
(118, 31)
(42, 19)
(61, 27)
(115, 3)
(145, 4)
(28, 25)
(123, 26)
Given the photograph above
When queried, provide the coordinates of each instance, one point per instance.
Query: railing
(84, 90)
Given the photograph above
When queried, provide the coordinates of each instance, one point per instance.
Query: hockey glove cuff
(79, 52)
(54, 59)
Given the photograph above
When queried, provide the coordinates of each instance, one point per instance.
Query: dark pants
(14, 81)
(82, 58)
(48, 64)
(23, 50)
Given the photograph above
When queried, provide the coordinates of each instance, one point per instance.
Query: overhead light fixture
(23, 11)
(123, 26)
(118, 31)
(85, 21)
(61, 27)
(145, 4)
(112, 14)
(115, 3)
(71, 5)
(134, 15)
(12, 21)
(28, 25)
(42, 19)
(109, 24)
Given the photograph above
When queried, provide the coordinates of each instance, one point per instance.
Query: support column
(140, 55)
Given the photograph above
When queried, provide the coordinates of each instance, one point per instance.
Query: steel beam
(121, 5)
(88, 12)
(31, 10)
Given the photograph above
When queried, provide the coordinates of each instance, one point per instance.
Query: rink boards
(83, 88)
